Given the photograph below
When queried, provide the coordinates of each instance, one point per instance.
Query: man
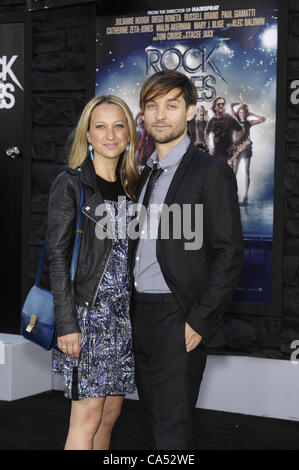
(223, 127)
(201, 124)
(180, 293)
(196, 127)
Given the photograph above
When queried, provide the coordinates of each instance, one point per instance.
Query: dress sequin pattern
(106, 362)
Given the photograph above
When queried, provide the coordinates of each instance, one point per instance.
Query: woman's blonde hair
(129, 174)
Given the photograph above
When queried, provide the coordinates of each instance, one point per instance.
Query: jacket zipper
(103, 272)
(97, 289)
(100, 280)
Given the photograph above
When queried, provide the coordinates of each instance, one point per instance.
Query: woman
(92, 315)
(242, 115)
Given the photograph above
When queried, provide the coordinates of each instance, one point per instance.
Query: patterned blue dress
(106, 362)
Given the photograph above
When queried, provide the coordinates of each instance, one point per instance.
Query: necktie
(154, 175)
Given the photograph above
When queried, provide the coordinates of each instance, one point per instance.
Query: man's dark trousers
(167, 376)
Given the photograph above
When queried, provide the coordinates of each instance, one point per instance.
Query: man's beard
(173, 134)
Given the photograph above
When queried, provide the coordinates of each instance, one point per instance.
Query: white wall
(254, 386)
(238, 384)
(25, 368)
(248, 385)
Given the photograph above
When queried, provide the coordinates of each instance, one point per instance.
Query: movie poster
(230, 53)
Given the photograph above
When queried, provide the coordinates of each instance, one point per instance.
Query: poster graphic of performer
(146, 147)
(197, 126)
(230, 53)
(139, 123)
(222, 127)
(245, 148)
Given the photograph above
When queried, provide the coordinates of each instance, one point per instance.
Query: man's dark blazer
(203, 280)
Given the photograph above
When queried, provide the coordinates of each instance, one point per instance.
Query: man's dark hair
(161, 83)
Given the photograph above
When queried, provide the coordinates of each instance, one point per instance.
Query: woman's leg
(85, 419)
(111, 411)
(236, 166)
(247, 178)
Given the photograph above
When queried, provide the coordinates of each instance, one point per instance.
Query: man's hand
(232, 149)
(192, 338)
(70, 344)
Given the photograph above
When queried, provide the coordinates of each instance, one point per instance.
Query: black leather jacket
(94, 253)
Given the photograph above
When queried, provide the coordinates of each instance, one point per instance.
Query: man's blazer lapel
(133, 243)
(174, 185)
(143, 177)
(179, 174)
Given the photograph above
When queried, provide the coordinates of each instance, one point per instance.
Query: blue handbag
(37, 318)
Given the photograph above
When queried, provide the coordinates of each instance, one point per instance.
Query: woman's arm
(62, 214)
(60, 238)
(232, 105)
(259, 119)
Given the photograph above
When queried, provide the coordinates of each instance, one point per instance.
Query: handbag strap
(77, 241)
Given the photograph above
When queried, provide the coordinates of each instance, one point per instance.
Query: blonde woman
(92, 314)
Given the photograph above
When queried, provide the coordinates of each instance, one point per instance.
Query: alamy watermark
(295, 354)
(294, 97)
(157, 221)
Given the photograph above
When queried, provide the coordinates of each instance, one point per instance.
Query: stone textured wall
(12, 6)
(290, 319)
(58, 96)
(59, 93)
